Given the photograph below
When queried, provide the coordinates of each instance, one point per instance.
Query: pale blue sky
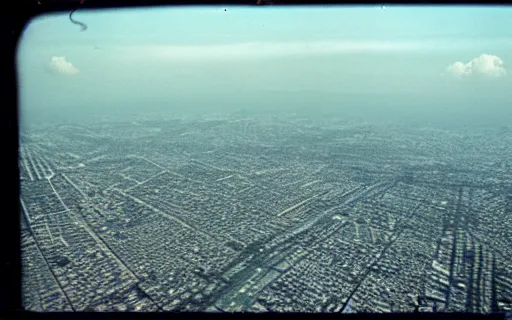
(208, 56)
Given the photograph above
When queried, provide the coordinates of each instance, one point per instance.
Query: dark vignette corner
(10, 267)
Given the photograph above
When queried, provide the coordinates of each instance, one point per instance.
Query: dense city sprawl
(260, 214)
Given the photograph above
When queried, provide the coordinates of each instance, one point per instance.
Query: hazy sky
(417, 57)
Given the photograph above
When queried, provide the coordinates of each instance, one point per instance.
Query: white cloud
(486, 65)
(62, 66)
(258, 50)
